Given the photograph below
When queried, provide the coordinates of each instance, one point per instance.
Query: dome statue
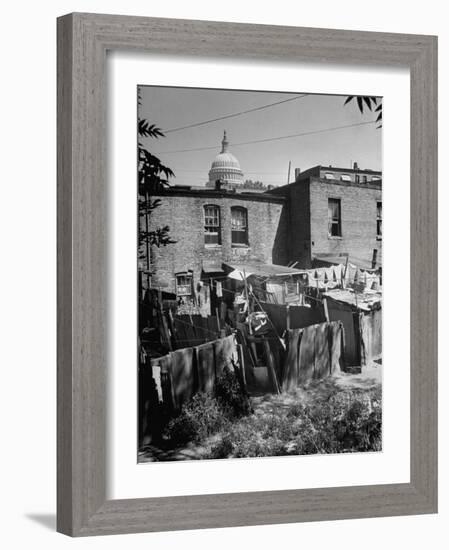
(225, 168)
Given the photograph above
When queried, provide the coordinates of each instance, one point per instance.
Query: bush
(199, 418)
(205, 415)
(233, 399)
(345, 422)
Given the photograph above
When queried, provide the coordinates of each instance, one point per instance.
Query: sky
(171, 108)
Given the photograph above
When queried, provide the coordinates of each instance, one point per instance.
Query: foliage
(205, 415)
(250, 184)
(370, 102)
(345, 422)
(153, 177)
(233, 399)
(200, 417)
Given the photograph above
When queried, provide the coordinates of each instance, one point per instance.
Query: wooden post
(172, 327)
(374, 260)
(326, 311)
(271, 367)
(218, 320)
(250, 329)
(242, 364)
(343, 281)
(288, 317)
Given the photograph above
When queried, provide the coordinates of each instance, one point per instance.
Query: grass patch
(320, 419)
(347, 421)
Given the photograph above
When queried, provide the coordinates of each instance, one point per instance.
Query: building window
(239, 226)
(329, 176)
(212, 233)
(184, 284)
(334, 217)
(379, 220)
(357, 178)
(376, 178)
(365, 179)
(345, 177)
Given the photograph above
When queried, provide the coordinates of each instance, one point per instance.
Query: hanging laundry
(219, 290)
(156, 371)
(204, 300)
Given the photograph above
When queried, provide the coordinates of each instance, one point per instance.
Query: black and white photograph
(259, 273)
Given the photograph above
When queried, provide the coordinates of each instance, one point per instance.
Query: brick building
(325, 215)
(212, 227)
(334, 212)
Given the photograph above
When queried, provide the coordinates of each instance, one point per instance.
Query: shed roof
(256, 269)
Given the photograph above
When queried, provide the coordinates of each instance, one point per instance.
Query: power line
(246, 172)
(194, 125)
(290, 136)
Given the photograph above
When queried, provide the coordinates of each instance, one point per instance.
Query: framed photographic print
(246, 274)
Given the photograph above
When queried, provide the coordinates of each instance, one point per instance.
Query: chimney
(356, 166)
(297, 172)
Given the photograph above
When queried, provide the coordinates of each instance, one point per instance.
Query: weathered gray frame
(83, 40)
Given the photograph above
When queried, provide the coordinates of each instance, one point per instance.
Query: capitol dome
(225, 167)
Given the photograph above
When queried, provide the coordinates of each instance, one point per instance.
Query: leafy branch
(153, 177)
(371, 102)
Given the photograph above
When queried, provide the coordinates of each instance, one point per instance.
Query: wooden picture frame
(83, 40)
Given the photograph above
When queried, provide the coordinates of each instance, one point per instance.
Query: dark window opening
(184, 284)
(379, 219)
(334, 217)
(239, 226)
(212, 232)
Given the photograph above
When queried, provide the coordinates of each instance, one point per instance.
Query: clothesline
(191, 324)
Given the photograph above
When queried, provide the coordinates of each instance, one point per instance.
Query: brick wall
(299, 222)
(184, 214)
(358, 219)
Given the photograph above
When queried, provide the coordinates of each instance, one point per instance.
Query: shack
(361, 315)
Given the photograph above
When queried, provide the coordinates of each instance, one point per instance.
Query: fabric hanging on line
(168, 395)
(306, 358)
(338, 272)
(312, 353)
(290, 371)
(206, 367)
(277, 291)
(335, 337)
(219, 289)
(225, 352)
(321, 351)
(351, 271)
(204, 300)
(183, 378)
(156, 372)
(329, 275)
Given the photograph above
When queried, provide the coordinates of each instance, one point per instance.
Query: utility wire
(290, 136)
(246, 172)
(194, 125)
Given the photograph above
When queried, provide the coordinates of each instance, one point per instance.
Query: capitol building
(225, 168)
